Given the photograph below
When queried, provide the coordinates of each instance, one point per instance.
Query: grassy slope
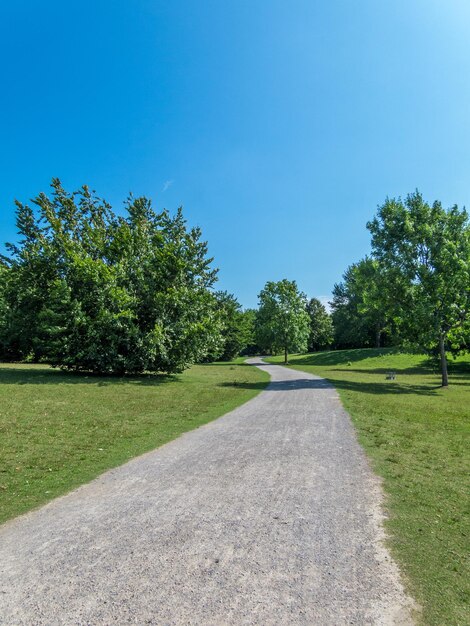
(417, 436)
(58, 430)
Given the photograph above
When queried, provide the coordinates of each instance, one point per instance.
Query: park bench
(390, 376)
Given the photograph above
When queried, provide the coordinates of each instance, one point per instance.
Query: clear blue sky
(279, 126)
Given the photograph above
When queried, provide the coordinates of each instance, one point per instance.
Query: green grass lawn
(417, 436)
(60, 430)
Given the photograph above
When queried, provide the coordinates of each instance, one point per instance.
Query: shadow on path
(373, 388)
(283, 385)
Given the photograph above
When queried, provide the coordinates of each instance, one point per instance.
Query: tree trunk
(378, 333)
(285, 355)
(442, 351)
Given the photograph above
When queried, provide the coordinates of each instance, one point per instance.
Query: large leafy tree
(425, 251)
(249, 325)
(236, 332)
(282, 321)
(321, 327)
(31, 269)
(88, 290)
(4, 276)
(360, 310)
(372, 285)
(350, 328)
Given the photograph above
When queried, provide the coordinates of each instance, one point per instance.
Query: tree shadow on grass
(456, 377)
(385, 388)
(461, 368)
(42, 374)
(224, 364)
(24, 375)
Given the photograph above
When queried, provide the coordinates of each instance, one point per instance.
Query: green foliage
(249, 324)
(4, 276)
(282, 321)
(88, 290)
(321, 326)
(425, 252)
(236, 328)
(360, 306)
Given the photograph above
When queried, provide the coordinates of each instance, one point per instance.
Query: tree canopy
(282, 322)
(87, 289)
(236, 328)
(321, 333)
(360, 306)
(425, 252)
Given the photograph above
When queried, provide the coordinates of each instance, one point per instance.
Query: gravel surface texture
(268, 515)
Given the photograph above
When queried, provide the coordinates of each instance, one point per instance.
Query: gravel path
(268, 515)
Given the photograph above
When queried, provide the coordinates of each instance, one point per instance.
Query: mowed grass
(417, 436)
(60, 430)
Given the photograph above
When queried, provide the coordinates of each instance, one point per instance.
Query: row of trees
(414, 290)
